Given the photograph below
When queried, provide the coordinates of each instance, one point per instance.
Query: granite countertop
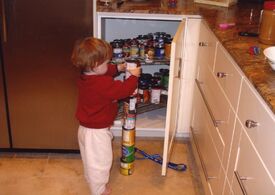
(244, 15)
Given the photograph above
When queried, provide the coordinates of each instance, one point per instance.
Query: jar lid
(270, 5)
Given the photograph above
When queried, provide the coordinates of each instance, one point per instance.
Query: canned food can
(134, 51)
(129, 65)
(126, 165)
(126, 172)
(128, 153)
(132, 103)
(129, 121)
(155, 95)
(129, 106)
(128, 136)
(144, 95)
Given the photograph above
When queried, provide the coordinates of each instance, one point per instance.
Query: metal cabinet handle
(4, 21)
(215, 122)
(221, 74)
(203, 44)
(200, 158)
(240, 179)
(180, 67)
(251, 124)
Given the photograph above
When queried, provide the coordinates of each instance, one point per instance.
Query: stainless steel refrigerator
(38, 81)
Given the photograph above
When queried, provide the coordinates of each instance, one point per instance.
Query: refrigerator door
(173, 94)
(4, 133)
(40, 78)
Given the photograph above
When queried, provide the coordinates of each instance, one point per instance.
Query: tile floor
(62, 174)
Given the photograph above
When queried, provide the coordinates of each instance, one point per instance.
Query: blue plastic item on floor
(158, 159)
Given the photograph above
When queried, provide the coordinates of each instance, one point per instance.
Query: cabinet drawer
(212, 111)
(227, 188)
(234, 150)
(202, 128)
(262, 133)
(228, 76)
(250, 172)
(221, 109)
(236, 188)
(207, 46)
(214, 95)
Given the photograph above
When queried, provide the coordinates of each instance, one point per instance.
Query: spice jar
(267, 26)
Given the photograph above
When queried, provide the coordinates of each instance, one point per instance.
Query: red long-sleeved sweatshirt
(97, 99)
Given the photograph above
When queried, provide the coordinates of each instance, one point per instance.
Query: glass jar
(267, 26)
(117, 49)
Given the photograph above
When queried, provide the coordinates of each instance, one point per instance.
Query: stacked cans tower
(129, 128)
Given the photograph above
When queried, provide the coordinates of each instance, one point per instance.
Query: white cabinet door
(173, 93)
(250, 172)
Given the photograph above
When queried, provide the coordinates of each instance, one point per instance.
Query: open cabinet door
(173, 94)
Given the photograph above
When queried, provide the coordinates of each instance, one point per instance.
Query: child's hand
(121, 67)
(135, 71)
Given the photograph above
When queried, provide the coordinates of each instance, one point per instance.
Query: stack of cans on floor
(129, 130)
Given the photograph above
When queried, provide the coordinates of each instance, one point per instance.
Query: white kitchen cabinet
(243, 127)
(227, 188)
(251, 174)
(202, 127)
(228, 76)
(259, 124)
(122, 26)
(112, 26)
(219, 82)
(173, 92)
(207, 47)
(234, 151)
(251, 165)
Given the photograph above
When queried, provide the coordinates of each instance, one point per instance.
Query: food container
(267, 26)
(270, 55)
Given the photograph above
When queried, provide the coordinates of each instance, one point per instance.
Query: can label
(126, 165)
(128, 153)
(134, 51)
(128, 136)
(130, 65)
(130, 105)
(130, 121)
(155, 96)
(126, 172)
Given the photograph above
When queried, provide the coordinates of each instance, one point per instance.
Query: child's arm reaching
(135, 71)
(114, 69)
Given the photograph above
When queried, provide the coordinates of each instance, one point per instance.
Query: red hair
(90, 52)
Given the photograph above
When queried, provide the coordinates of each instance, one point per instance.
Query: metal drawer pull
(221, 74)
(251, 124)
(209, 177)
(200, 158)
(203, 44)
(240, 179)
(215, 122)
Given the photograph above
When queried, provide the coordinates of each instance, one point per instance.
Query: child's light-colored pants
(97, 156)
